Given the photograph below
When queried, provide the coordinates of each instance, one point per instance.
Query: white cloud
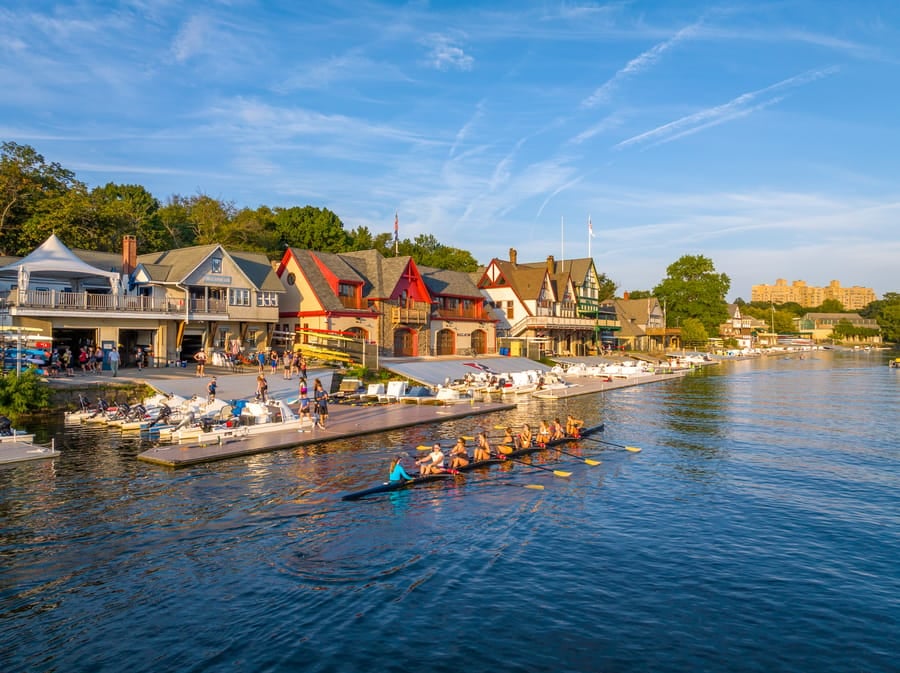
(444, 54)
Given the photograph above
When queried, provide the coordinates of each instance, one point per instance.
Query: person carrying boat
(573, 426)
(459, 455)
(433, 463)
(397, 471)
(482, 447)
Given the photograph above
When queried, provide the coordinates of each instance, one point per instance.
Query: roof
(309, 261)
(54, 260)
(173, 266)
(449, 283)
(527, 281)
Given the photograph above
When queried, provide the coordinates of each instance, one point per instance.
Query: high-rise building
(851, 298)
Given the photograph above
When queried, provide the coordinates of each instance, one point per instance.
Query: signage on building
(216, 280)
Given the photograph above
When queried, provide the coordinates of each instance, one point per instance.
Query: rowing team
(435, 462)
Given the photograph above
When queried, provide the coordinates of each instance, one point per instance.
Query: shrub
(23, 393)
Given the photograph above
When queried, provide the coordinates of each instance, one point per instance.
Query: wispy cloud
(740, 106)
(638, 65)
(444, 54)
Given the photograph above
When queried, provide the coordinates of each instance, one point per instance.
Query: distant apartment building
(851, 298)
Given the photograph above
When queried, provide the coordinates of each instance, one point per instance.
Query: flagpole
(562, 242)
(590, 235)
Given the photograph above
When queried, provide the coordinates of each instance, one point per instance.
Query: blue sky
(763, 135)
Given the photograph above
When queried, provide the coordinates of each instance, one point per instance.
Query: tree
(639, 294)
(71, 215)
(209, 218)
(693, 289)
(831, 306)
(128, 209)
(26, 180)
(427, 251)
(693, 333)
(311, 229)
(253, 230)
(886, 311)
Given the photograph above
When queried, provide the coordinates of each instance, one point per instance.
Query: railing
(88, 301)
(350, 302)
(417, 314)
(459, 314)
(559, 323)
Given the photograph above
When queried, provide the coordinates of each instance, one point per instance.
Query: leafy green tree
(639, 294)
(693, 289)
(831, 306)
(23, 393)
(311, 228)
(26, 180)
(886, 311)
(71, 215)
(427, 251)
(606, 287)
(128, 209)
(210, 218)
(253, 230)
(693, 333)
(174, 221)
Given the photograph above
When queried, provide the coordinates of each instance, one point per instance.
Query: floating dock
(17, 452)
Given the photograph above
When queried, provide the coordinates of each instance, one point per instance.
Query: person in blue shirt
(397, 472)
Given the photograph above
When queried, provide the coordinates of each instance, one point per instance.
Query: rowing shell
(397, 485)
(415, 481)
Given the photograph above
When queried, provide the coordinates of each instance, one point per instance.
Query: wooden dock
(17, 452)
(344, 421)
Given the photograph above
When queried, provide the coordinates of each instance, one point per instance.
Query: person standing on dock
(200, 357)
(113, 359)
(262, 388)
(320, 398)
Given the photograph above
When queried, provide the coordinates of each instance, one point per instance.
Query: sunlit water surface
(756, 531)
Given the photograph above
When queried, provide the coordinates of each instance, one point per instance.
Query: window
(238, 297)
(510, 312)
(267, 298)
(215, 265)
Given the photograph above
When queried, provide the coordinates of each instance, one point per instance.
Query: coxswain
(397, 471)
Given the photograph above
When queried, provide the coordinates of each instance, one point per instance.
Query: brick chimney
(512, 256)
(551, 265)
(129, 254)
(625, 296)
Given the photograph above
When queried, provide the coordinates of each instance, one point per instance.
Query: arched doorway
(357, 333)
(479, 341)
(404, 343)
(446, 342)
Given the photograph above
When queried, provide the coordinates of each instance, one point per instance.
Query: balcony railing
(459, 314)
(561, 323)
(88, 301)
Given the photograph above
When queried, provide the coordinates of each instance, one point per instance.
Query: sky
(764, 136)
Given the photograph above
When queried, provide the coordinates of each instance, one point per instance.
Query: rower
(397, 471)
(509, 438)
(525, 437)
(433, 463)
(459, 455)
(573, 426)
(482, 447)
(557, 431)
(543, 433)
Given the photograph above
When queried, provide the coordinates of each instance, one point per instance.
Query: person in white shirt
(433, 463)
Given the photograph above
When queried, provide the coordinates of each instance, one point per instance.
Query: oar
(506, 450)
(633, 449)
(588, 461)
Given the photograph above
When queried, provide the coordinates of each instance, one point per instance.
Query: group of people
(291, 363)
(316, 410)
(436, 461)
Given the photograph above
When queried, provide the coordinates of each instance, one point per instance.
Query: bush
(23, 393)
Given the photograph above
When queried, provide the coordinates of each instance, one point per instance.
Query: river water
(757, 530)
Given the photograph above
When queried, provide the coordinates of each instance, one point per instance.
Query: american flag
(396, 227)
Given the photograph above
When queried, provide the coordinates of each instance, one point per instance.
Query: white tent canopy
(52, 259)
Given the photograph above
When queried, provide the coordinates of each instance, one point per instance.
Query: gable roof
(173, 266)
(526, 281)
(449, 283)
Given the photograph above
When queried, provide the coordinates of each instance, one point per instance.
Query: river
(757, 530)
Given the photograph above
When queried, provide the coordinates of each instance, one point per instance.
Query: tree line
(39, 197)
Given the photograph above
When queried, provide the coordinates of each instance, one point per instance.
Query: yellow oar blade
(591, 462)
(633, 449)
(467, 438)
(560, 473)
(500, 427)
(422, 447)
(536, 487)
